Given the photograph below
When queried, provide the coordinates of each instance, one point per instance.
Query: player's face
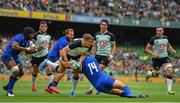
(88, 43)
(103, 26)
(159, 32)
(43, 28)
(30, 36)
(70, 35)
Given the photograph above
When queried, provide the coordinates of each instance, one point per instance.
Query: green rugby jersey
(42, 39)
(103, 43)
(159, 45)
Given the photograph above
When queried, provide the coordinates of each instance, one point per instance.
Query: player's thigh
(9, 61)
(103, 61)
(157, 64)
(105, 84)
(62, 67)
(36, 61)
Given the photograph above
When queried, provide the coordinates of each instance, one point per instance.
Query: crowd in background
(164, 10)
(125, 62)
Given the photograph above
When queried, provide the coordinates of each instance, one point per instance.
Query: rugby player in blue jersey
(102, 82)
(54, 56)
(10, 56)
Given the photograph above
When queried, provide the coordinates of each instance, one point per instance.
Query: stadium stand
(164, 10)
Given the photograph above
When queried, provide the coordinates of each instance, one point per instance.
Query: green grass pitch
(157, 93)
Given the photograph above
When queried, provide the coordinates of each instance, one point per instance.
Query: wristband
(28, 49)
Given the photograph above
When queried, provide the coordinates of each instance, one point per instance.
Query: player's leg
(49, 73)
(35, 70)
(34, 75)
(52, 86)
(118, 86)
(74, 81)
(154, 73)
(16, 74)
(169, 72)
(46, 63)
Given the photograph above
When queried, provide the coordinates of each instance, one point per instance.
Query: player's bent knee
(15, 68)
(167, 66)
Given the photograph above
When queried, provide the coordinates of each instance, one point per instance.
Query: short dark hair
(87, 36)
(104, 20)
(43, 22)
(28, 30)
(68, 30)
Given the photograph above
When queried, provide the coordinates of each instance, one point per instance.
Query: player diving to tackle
(102, 82)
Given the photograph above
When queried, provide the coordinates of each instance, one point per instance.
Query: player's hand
(173, 51)
(110, 57)
(40, 48)
(155, 55)
(69, 65)
(85, 53)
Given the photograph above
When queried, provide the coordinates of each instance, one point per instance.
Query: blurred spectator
(164, 10)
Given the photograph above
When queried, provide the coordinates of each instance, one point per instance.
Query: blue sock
(54, 84)
(11, 83)
(126, 90)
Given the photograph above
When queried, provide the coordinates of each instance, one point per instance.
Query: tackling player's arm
(93, 50)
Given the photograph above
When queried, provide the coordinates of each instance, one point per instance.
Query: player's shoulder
(47, 34)
(62, 39)
(19, 36)
(165, 37)
(109, 33)
(154, 37)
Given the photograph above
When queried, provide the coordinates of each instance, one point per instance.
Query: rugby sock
(126, 91)
(74, 81)
(54, 84)
(53, 65)
(34, 78)
(50, 77)
(11, 83)
(169, 82)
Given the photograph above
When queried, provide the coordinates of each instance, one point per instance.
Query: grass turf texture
(157, 93)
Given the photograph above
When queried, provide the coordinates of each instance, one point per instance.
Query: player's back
(91, 70)
(60, 43)
(18, 38)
